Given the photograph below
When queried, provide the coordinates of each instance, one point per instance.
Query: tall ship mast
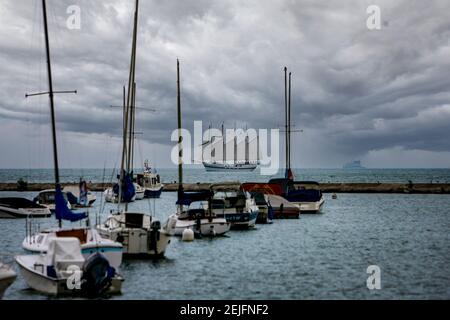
(224, 164)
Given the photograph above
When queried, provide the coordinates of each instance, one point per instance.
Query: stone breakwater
(417, 188)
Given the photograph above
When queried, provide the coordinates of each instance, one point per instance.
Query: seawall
(416, 188)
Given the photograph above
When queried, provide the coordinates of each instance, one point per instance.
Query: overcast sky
(381, 96)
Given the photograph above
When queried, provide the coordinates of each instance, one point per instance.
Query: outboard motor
(198, 226)
(154, 236)
(97, 275)
(270, 211)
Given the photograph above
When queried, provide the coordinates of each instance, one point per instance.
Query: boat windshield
(49, 197)
(225, 194)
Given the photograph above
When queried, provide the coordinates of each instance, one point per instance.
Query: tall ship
(215, 163)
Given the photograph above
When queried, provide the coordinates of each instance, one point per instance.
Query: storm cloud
(377, 95)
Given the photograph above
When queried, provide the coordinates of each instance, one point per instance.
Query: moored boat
(140, 192)
(282, 208)
(123, 193)
(265, 209)
(141, 235)
(238, 207)
(194, 212)
(46, 198)
(63, 270)
(22, 208)
(150, 181)
(305, 194)
(91, 242)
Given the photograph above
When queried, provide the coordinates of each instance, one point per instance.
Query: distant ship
(355, 164)
(236, 164)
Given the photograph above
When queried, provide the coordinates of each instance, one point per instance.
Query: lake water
(200, 175)
(322, 256)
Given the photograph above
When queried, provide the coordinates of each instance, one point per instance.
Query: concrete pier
(416, 188)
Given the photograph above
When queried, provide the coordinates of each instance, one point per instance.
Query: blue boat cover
(83, 200)
(128, 190)
(62, 212)
(186, 198)
(304, 195)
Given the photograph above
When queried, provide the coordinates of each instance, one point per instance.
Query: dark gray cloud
(357, 93)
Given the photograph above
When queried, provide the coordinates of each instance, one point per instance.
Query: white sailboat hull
(139, 195)
(136, 243)
(140, 192)
(147, 239)
(7, 277)
(110, 196)
(310, 207)
(215, 227)
(35, 278)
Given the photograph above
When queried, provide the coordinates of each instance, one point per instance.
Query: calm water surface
(315, 257)
(200, 175)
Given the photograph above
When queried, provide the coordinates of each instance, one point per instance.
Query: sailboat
(201, 220)
(236, 164)
(305, 195)
(142, 235)
(90, 240)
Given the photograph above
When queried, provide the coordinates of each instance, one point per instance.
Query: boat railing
(31, 229)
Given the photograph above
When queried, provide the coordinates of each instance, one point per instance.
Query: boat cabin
(47, 197)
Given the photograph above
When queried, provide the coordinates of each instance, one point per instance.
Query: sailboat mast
(133, 125)
(224, 146)
(285, 118)
(124, 145)
(131, 78)
(235, 144)
(131, 129)
(50, 88)
(289, 124)
(180, 138)
(126, 156)
(247, 146)
(50, 94)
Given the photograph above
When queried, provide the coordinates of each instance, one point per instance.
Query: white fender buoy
(188, 235)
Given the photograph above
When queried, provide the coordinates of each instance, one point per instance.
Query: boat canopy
(62, 212)
(186, 198)
(304, 195)
(288, 185)
(67, 250)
